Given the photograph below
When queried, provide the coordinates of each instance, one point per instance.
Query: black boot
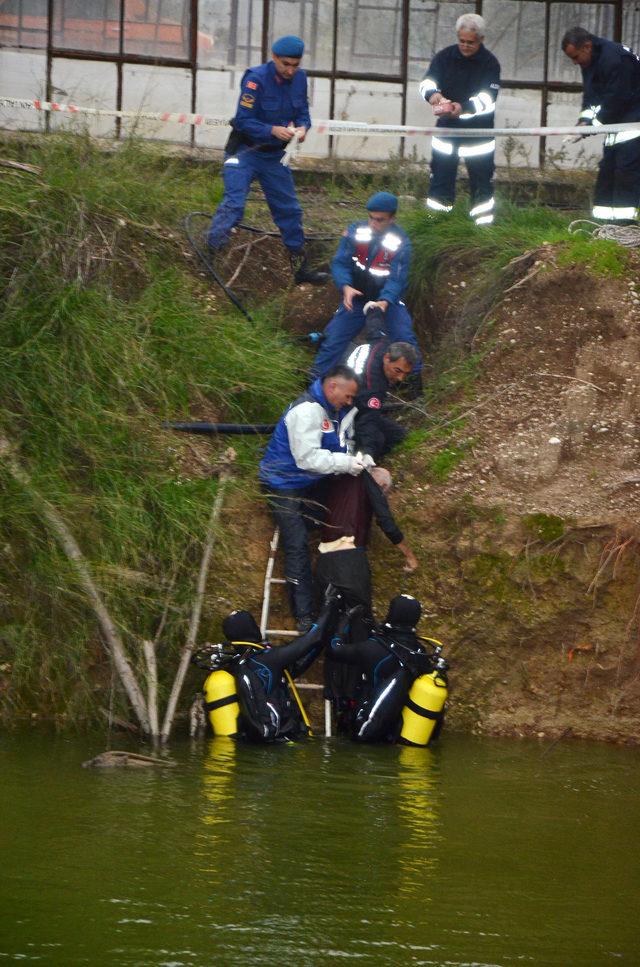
(302, 273)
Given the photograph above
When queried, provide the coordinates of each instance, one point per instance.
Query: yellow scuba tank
(221, 702)
(423, 710)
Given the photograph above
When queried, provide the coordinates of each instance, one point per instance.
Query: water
(480, 852)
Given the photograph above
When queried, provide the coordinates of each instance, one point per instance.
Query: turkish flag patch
(326, 426)
(374, 403)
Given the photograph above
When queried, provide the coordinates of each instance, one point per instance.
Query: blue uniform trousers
(276, 181)
(347, 323)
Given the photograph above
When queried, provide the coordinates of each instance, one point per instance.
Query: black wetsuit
(269, 711)
(389, 661)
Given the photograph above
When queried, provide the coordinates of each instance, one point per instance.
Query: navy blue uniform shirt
(268, 100)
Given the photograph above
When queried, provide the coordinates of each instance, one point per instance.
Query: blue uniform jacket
(311, 441)
(611, 84)
(376, 263)
(266, 99)
(472, 81)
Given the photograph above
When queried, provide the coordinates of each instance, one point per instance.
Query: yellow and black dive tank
(221, 702)
(425, 706)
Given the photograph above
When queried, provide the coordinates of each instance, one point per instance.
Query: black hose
(204, 256)
(205, 259)
(210, 429)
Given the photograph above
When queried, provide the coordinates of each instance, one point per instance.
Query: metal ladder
(269, 633)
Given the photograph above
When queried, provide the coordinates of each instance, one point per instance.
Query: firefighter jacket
(611, 85)
(473, 82)
(311, 441)
(376, 263)
(266, 99)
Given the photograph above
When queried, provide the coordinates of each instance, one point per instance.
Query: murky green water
(480, 852)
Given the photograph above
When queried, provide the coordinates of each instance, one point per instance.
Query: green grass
(600, 256)
(104, 332)
(441, 464)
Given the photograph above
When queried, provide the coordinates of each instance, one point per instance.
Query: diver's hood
(241, 626)
(404, 613)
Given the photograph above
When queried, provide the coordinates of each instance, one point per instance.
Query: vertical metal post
(48, 82)
(266, 14)
(542, 143)
(617, 22)
(404, 65)
(334, 67)
(119, 71)
(193, 52)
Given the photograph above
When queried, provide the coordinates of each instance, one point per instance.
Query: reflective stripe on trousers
(614, 213)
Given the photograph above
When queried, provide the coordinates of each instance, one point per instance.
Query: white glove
(370, 305)
(367, 460)
(356, 465)
(291, 147)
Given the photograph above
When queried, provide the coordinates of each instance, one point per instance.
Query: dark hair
(576, 37)
(403, 350)
(343, 372)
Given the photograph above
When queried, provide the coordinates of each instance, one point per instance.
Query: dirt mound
(557, 428)
(255, 267)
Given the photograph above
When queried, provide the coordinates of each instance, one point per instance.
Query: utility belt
(237, 142)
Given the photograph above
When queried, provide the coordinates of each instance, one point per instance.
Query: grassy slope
(105, 332)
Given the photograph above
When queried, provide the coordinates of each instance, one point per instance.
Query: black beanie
(404, 612)
(241, 626)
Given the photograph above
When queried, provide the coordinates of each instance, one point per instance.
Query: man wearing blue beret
(273, 106)
(371, 269)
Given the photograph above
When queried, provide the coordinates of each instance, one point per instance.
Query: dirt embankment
(533, 541)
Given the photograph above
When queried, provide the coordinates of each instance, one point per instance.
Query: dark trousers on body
(347, 323)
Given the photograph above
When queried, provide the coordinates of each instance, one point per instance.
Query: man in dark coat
(462, 85)
(611, 79)
(380, 365)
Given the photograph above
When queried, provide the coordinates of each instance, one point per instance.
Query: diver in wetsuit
(391, 660)
(250, 692)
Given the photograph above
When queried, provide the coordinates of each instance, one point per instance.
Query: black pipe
(211, 429)
(205, 259)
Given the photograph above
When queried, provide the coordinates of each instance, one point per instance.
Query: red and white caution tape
(361, 128)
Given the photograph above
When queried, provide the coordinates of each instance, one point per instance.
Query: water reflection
(357, 828)
(418, 806)
(475, 851)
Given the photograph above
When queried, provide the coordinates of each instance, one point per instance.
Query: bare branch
(194, 623)
(111, 639)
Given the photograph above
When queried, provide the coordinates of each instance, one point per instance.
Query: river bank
(516, 485)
